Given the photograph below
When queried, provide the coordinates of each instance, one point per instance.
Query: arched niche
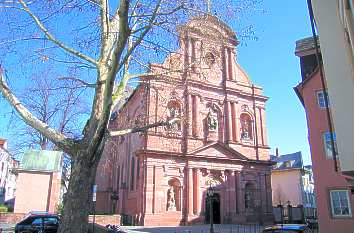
(174, 191)
(246, 129)
(174, 112)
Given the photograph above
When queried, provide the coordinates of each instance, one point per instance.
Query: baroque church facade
(217, 139)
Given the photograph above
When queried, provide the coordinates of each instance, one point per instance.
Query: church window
(246, 126)
(137, 171)
(174, 115)
(132, 173)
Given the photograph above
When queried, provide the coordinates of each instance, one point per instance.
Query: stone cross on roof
(208, 2)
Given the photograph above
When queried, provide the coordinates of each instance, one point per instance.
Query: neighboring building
(335, 25)
(292, 183)
(39, 181)
(7, 177)
(309, 197)
(334, 197)
(161, 176)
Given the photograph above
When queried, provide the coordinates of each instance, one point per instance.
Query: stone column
(238, 192)
(268, 189)
(229, 64)
(234, 122)
(196, 191)
(190, 114)
(190, 190)
(232, 193)
(154, 190)
(160, 202)
(229, 121)
(237, 120)
(197, 123)
(149, 189)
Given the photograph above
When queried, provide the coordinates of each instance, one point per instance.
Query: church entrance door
(215, 201)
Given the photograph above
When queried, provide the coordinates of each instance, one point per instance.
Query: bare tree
(105, 45)
(57, 103)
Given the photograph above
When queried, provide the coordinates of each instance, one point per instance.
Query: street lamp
(114, 198)
(210, 193)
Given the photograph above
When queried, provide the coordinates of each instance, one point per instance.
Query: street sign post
(94, 193)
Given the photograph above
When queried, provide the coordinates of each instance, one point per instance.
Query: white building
(7, 177)
(335, 24)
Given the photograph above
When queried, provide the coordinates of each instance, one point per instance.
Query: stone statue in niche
(174, 114)
(244, 129)
(171, 201)
(212, 122)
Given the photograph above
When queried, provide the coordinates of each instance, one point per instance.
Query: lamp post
(114, 198)
(210, 193)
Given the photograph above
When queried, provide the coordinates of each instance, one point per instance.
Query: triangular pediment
(218, 150)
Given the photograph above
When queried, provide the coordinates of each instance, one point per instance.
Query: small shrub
(59, 208)
(3, 209)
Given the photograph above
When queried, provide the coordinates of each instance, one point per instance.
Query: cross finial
(208, 2)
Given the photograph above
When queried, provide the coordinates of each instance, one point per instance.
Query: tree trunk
(78, 199)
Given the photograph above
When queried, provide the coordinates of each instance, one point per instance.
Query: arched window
(174, 113)
(246, 126)
(132, 174)
(249, 195)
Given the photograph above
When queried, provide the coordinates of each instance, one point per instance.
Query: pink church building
(218, 139)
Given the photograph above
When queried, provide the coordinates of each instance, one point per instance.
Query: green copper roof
(42, 160)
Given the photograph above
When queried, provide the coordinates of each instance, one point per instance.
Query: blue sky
(271, 63)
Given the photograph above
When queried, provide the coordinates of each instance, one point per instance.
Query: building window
(321, 95)
(340, 204)
(137, 172)
(327, 142)
(132, 173)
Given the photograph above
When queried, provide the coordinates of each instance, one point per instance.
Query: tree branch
(50, 133)
(142, 129)
(53, 39)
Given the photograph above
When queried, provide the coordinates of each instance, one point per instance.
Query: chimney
(277, 152)
(3, 143)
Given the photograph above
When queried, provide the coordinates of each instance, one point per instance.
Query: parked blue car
(287, 228)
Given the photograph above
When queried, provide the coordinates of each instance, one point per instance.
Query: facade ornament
(171, 201)
(244, 108)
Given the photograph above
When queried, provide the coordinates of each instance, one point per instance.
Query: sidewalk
(218, 228)
(7, 228)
